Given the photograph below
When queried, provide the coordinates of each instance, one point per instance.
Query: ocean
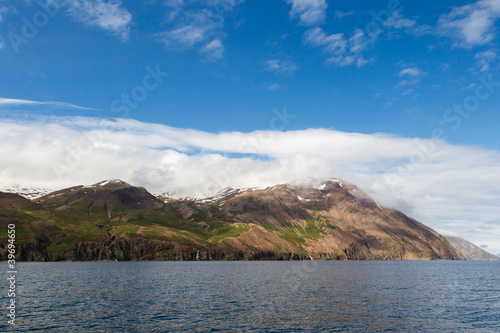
(256, 296)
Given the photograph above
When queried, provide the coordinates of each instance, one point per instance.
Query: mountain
(12, 201)
(115, 220)
(469, 250)
(30, 193)
(107, 195)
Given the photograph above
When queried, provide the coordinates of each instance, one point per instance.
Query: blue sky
(398, 97)
(265, 58)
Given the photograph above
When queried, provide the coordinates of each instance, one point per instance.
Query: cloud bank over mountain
(449, 187)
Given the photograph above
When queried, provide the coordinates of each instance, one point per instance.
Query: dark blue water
(306, 296)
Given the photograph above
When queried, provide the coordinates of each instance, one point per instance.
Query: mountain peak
(111, 182)
(106, 195)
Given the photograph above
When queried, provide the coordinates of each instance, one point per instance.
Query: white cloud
(341, 60)
(342, 51)
(357, 42)
(334, 43)
(404, 83)
(174, 3)
(309, 12)
(222, 5)
(441, 185)
(274, 87)
(471, 25)
(186, 35)
(214, 50)
(411, 72)
(197, 24)
(348, 49)
(3, 11)
(278, 66)
(410, 77)
(397, 21)
(340, 14)
(410, 91)
(361, 61)
(11, 102)
(444, 67)
(483, 60)
(107, 15)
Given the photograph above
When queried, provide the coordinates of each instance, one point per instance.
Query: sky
(186, 96)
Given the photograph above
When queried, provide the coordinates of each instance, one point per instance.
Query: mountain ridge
(469, 250)
(115, 220)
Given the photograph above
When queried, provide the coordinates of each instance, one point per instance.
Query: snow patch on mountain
(110, 181)
(29, 193)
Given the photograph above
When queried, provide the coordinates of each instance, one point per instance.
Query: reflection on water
(287, 296)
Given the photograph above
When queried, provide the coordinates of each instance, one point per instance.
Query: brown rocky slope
(468, 250)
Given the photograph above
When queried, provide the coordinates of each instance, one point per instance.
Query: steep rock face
(111, 248)
(114, 220)
(469, 250)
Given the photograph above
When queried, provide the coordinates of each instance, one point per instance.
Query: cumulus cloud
(471, 25)
(309, 12)
(107, 15)
(446, 186)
